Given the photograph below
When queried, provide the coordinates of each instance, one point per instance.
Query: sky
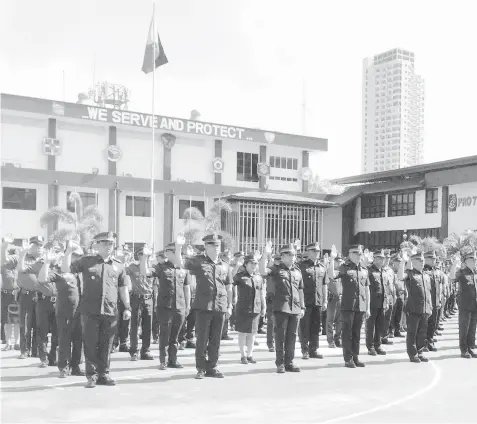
(246, 62)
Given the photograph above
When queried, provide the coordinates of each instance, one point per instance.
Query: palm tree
(212, 222)
(429, 244)
(462, 243)
(317, 185)
(83, 224)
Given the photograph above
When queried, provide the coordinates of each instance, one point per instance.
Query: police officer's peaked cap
(288, 249)
(54, 245)
(239, 254)
(170, 246)
(160, 253)
(106, 236)
(396, 257)
(379, 254)
(470, 255)
(37, 240)
(339, 257)
(313, 246)
(387, 253)
(356, 248)
(251, 258)
(419, 256)
(430, 255)
(212, 239)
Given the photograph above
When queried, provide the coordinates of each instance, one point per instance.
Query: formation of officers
(90, 302)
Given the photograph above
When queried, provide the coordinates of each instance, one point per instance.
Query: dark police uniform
(375, 322)
(46, 322)
(28, 283)
(354, 280)
(99, 307)
(142, 309)
(286, 304)
(390, 296)
(9, 284)
(211, 302)
(68, 320)
(187, 331)
(270, 314)
(171, 309)
(400, 298)
(435, 277)
(418, 309)
(249, 301)
(467, 279)
(315, 281)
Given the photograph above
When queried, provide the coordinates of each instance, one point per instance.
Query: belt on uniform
(41, 296)
(142, 296)
(5, 291)
(27, 291)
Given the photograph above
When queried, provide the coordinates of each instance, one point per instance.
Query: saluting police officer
(103, 276)
(213, 302)
(335, 292)
(270, 316)
(30, 262)
(355, 303)
(315, 291)
(141, 306)
(288, 304)
(390, 294)
(419, 303)
(9, 262)
(436, 284)
(466, 278)
(173, 304)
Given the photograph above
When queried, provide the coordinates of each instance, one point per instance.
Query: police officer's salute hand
(147, 251)
(405, 255)
(71, 246)
(50, 256)
(25, 245)
(334, 252)
(8, 239)
(180, 240)
(268, 248)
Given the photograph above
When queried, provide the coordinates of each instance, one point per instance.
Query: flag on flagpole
(153, 47)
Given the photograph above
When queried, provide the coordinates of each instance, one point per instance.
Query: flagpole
(153, 123)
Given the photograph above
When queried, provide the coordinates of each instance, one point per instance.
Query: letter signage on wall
(461, 202)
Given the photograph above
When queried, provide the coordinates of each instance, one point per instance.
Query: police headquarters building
(51, 148)
(431, 200)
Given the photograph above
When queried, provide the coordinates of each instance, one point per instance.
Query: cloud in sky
(243, 62)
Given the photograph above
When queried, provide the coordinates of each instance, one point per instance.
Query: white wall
(192, 160)
(84, 147)
(465, 217)
(25, 224)
(22, 140)
(332, 228)
(421, 219)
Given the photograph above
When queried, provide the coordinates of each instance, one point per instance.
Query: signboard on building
(461, 202)
(462, 206)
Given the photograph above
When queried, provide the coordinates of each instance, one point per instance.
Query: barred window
(373, 206)
(247, 167)
(88, 199)
(431, 200)
(141, 206)
(402, 204)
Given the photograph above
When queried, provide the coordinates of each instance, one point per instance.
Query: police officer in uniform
(141, 306)
(103, 276)
(466, 279)
(355, 303)
(390, 295)
(315, 290)
(269, 298)
(436, 284)
(9, 262)
(160, 259)
(213, 302)
(173, 304)
(30, 262)
(400, 292)
(288, 304)
(375, 324)
(333, 321)
(419, 304)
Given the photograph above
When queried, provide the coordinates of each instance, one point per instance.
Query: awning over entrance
(265, 196)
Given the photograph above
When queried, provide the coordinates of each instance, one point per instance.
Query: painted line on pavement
(435, 381)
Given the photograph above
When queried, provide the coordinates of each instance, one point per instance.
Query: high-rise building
(393, 112)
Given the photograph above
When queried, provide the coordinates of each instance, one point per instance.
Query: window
(247, 166)
(284, 179)
(186, 204)
(431, 200)
(23, 199)
(284, 163)
(88, 199)
(402, 204)
(373, 206)
(142, 206)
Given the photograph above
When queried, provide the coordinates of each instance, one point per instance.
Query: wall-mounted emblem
(452, 202)
(269, 137)
(51, 146)
(114, 153)
(168, 140)
(218, 165)
(306, 174)
(263, 170)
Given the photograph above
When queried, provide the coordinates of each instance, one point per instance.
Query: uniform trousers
(187, 330)
(7, 299)
(310, 326)
(467, 328)
(375, 328)
(98, 337)
(208, 329)
(432, 324)
(416, 333)
(286, 326)
(27, 302)
(225, 329)
(122, 328)
(141, 312)
(70, 338)
(333, 322)
(270, 323)
(396, 317)
(45, 322)
(352, 321)
(170, 324)
(155, 320)
(388, 314)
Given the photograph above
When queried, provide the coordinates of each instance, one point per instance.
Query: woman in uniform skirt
(250, 305)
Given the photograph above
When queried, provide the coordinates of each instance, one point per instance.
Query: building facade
(50, 148)
(392, 112)
(432, 200)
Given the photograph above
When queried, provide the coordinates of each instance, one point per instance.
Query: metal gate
(253, 224)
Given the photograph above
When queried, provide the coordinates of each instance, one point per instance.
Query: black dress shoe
(200, 375)
(214, 374)
(387, 341)
(472, 353)
(251, 360)
(77, 371)
(91, 383)
(52, 363)
(271, 348)
(174, 364)
(398, 334)
(105, 380)
(338, 343)
(147, 356)
(380, 351)
(305, 355)
(465, 355)
(123, 348)
(372, 352)
(227, 338)
(423, 358)
(432, 348)
(358, 363)
(281, 369)
(190, 345)
(415, 359)
(350, 364)
(316, 355)
(292, 368)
